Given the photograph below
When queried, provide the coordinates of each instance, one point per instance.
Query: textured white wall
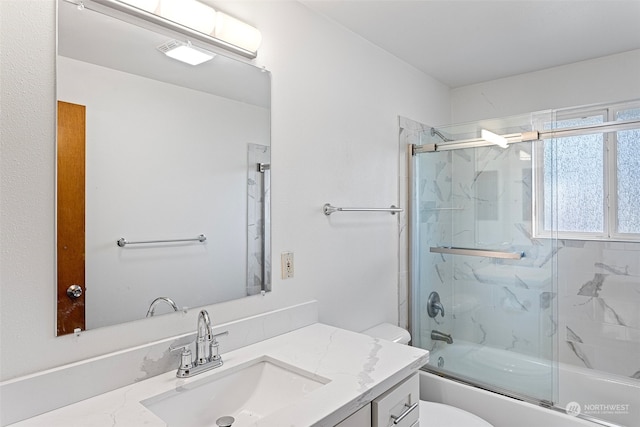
(607, 79)
(335, 102)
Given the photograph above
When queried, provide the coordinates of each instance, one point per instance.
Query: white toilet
(431, 414)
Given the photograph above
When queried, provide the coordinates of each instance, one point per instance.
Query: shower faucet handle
(434, 305)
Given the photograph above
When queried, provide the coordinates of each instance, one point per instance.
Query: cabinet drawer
(398, 407)
(361, 418)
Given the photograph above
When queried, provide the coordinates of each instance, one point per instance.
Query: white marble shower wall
(258, 227)
(591, 314)
(505, 304)
(481, 198)
(599, 305)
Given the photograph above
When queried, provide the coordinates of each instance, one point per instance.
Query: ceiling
(465, 42)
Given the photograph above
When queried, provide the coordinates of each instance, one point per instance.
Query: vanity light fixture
(148, 5)
(190, 13)
(494, 138)
(195, 19)
(185, 52)
(236, 32)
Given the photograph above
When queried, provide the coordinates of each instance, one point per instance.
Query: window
(589, 184)
(628, 175)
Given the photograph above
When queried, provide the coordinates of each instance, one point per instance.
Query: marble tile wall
(599, 305)
(258, 227)
(575, 301)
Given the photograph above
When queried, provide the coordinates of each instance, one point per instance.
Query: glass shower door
(473, 249)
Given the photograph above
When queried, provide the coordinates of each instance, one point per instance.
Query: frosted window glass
(628, 173)
(579, 179)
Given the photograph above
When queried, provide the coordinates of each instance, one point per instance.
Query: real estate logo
(573, 409)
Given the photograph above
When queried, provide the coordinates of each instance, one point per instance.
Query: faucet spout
(207, 349)
(441, 336)
(204, 338)
(152, 307)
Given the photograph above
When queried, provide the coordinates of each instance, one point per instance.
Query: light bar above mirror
(191, 18)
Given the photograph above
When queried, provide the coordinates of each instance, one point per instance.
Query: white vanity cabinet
(360, 418)
(397, 407)
(319, 353)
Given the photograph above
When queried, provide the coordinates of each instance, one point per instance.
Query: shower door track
(528, 136)
(511, 395)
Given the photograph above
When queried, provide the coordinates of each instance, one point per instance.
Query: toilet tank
(389, 332)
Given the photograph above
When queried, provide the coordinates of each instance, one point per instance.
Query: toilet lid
(439, 415)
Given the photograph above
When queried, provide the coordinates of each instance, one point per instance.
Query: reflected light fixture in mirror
(185, 52)
(213, 26)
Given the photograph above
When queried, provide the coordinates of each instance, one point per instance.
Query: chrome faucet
(441, 336)
(204, 338)
(434, 305)
(207, 350)
(152, 307)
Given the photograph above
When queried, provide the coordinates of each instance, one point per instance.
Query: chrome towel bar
(328, 209)
(477, 252)
(122, 242)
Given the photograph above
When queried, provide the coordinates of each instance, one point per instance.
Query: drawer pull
(399, 418)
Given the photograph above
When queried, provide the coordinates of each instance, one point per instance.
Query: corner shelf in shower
(488, 253)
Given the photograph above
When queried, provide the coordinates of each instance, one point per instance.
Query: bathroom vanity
(317, 375)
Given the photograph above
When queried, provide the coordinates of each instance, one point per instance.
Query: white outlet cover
(286, 259)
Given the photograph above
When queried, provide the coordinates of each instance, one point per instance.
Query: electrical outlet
(287, 264)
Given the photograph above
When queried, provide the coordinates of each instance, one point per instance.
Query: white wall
(607, 79)
(335, 102)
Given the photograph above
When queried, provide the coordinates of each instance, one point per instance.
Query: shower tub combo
(491, 296)
(616, 397)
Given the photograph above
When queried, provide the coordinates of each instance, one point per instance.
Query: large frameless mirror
(162, 176)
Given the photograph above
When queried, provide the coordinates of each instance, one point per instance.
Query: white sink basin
(247, 393)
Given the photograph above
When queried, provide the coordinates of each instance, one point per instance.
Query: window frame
(610, 178)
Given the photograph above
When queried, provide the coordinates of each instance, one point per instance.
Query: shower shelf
(476, 252)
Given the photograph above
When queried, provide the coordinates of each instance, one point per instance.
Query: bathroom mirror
(162, 175)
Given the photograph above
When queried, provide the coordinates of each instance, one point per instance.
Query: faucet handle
(221, 334)
(186, 361)
(214, 347)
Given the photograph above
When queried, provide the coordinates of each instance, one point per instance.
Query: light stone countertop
(359, 368)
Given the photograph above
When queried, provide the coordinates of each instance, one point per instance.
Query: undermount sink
(246, 392)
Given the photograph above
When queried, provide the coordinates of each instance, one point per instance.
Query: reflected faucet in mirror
(152, 307)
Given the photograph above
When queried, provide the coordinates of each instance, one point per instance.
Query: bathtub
(595, 395)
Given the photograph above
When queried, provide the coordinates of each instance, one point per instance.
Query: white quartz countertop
(359, 368)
